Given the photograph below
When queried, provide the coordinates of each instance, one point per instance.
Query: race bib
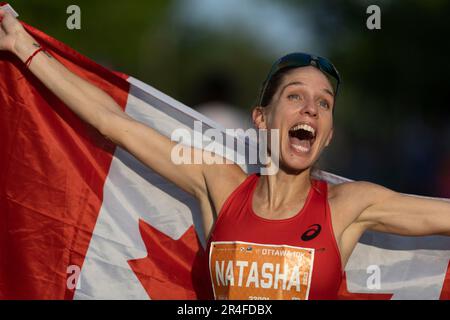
(250, 271)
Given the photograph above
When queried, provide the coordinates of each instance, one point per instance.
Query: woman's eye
(294, 97)
(324, 104)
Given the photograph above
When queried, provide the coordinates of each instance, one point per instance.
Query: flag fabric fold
(83, 219)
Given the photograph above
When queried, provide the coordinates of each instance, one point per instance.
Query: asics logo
(312, 232)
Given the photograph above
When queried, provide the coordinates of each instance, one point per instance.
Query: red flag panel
(52, 171)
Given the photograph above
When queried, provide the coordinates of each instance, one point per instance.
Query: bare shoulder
(354, 190)
(221, 180)
(224, 174)
(348, 200)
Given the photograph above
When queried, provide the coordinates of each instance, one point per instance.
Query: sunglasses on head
(299, 59)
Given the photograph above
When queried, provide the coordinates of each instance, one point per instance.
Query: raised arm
(389, 211)
(99, 110)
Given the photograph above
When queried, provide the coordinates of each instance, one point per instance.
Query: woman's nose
(310, 109)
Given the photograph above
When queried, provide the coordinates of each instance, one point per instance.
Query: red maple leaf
(344, 294)
(173, 269)
(445, 292)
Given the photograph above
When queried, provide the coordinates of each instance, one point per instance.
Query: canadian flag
(83, 219)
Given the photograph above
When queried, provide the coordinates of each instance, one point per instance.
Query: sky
(275, 26)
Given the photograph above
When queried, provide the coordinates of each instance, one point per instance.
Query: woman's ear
(259, 118)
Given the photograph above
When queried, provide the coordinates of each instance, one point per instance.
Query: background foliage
(392, 120)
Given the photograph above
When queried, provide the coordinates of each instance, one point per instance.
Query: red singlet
(251, 257)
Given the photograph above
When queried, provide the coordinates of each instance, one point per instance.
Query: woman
(277, 236)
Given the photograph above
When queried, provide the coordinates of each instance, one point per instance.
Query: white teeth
(304, 127)
(300, 148)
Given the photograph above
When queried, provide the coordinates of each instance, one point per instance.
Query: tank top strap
(321, 188)
(323, 216)
(241, 193)
(316, 211)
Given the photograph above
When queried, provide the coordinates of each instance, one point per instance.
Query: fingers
(7, 17)
(8, 22)
(2, 14)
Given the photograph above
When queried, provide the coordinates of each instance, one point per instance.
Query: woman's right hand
(11, 30)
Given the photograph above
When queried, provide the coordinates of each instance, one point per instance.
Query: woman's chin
(294, 160)
(295, 165)
(298, 159)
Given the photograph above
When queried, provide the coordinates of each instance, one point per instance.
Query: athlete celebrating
(281, 236)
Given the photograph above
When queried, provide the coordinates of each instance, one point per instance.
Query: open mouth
(302, 137)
